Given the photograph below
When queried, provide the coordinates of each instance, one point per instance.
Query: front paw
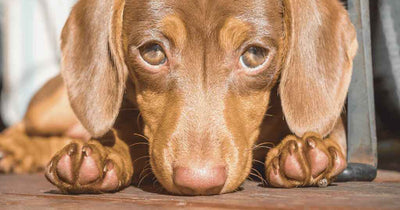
(307, 161)
(89, 168)
(17, 155)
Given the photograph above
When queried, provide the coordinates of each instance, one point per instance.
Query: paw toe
(64, 169)
(110, 181)
(339, 162)
(89, 171)
(273, 174)
(318, 159)
(293, 164)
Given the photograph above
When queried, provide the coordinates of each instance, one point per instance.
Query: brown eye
(254, 57)
(153, 54)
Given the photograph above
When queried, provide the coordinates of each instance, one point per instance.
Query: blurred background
(30, 55)
(30, 52)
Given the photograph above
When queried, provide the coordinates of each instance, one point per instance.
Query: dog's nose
(200, 181)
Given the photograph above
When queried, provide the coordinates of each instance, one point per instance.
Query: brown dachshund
(202, 74)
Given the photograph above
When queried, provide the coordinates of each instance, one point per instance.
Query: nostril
(200, 181)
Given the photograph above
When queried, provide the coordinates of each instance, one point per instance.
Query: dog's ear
(93, 64)
(321, 44)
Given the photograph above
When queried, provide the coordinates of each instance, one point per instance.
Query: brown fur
(202, 107)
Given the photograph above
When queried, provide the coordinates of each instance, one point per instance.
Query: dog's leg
(91, 167)
(20, 153)
(307, 161)
(48, 125)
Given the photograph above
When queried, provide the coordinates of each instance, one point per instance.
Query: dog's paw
(88, 168)
(307, 161)
(17, 155)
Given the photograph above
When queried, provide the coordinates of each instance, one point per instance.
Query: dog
(214, 82)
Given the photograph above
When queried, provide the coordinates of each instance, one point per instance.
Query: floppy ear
(93, 65)
(321, 45)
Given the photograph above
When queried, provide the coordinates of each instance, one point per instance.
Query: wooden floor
(34, 192)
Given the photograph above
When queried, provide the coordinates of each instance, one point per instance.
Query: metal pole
(361, 138)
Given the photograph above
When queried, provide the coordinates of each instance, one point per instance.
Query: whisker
(249, 178)
(255, 170)
(260, 162)
(255, 147)
(139, 158)
(139, 143)
(138, 120)
(155, 181)
(129, 109)
(142, 179)
(147, 164)
(145, 169)
(262, 147)
(262, 180)
(140, 135)
(265, 143)
(253, 174)
(259, 175)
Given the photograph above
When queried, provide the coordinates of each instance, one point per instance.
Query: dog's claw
(292, 147)
(72, 149)
(333, 153)
(108, 166)
(86, 151)
(275, 163)
(310, 143)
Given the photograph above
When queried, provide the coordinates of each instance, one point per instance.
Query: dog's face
(203, 72)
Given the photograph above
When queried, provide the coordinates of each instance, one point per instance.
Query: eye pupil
(254, 57)
(153, 54)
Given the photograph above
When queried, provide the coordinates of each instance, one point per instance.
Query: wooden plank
(34, 192)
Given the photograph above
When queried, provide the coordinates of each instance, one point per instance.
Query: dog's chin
(239, 172)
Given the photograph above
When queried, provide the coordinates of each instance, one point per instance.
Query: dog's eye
(153, 54)
(254, 57)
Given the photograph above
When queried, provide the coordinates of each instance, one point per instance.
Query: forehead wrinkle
(233, 33)
(173, 28)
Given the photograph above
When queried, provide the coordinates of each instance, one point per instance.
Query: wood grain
(34, 192)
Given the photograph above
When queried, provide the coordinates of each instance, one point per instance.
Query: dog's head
(203, 72)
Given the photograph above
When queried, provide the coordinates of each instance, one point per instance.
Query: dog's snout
(200, 180)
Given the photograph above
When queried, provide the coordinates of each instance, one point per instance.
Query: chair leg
(362, 142)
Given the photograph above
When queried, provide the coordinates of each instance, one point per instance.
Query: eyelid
(153, 41)
(263, 42)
